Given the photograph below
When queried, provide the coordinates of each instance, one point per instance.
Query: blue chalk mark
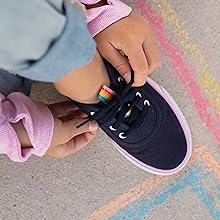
(194, 179)
(205, 198)
(218, 191)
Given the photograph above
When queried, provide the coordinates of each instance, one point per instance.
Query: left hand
(133, 37)
(67, 139)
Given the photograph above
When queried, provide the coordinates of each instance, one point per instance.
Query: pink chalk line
(183, 71)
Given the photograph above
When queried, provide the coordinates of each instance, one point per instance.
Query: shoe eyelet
(111, 128)
(121, 135)
(146, 102)
(92, 113)
(138, 94)
(120, 79)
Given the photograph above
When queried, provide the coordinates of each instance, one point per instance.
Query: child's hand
(133, 36)
(67, 139)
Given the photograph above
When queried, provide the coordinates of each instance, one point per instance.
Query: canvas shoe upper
(155, 137)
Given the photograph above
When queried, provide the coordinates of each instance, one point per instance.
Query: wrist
(22, 135)
(98, 4)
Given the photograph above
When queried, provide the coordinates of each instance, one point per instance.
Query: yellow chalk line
(206, 79)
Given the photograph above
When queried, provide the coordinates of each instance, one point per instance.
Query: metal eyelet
(146, 102)
(111, 128)
(92, 113)
(120, 79)
(121, 135)
(138, 94)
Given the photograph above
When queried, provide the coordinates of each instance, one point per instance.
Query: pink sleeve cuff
(37, 120)
(101, 17)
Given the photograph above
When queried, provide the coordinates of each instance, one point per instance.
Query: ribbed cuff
(38, 123)
(102, 17)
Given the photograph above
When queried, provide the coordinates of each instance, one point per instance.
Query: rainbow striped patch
(106, 95)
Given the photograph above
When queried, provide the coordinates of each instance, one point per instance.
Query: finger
(117, 60)
(153, 55)
(82, 115)
(74, 115)
(70, 129)
(62, 108)
(139, 64)
(76, 144)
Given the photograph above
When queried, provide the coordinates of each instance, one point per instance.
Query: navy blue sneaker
(155, 136)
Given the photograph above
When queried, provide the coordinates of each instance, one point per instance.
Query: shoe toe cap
(168, 148)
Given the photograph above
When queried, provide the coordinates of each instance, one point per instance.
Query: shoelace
(119, 107)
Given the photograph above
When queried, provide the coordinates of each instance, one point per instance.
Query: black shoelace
(118, 107)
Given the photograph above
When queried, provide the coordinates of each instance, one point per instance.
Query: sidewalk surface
(97, 183)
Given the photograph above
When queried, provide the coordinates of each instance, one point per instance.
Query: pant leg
(53, 49)
(11, 82)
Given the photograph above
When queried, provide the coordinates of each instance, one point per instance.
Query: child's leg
(83, 85)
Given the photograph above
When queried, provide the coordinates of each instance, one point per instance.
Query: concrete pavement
(97, 183)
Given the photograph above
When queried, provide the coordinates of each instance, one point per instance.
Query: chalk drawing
(207, 79)
(193, 180)
(182, 69)
(136, 194)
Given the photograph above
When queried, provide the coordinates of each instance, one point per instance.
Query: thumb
(117, 60)
(90, 126)
(65, 131)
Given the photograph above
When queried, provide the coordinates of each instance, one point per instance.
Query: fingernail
(127, 77)
(140, 82)
(93, 126)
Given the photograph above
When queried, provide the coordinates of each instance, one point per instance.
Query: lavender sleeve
(37, 120)
(101, 17)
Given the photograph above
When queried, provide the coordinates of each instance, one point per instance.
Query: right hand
(133, 36)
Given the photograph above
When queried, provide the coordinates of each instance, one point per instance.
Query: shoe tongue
(106, 96)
